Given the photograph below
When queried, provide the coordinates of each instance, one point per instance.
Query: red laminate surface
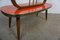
(11, 10)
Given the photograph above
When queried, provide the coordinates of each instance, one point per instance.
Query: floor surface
(32, 27)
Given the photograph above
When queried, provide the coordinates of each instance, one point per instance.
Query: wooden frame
(16, 5)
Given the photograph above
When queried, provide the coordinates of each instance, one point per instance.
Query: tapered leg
(37, 14)
(46, 12)
(10, 22)
(18, 27)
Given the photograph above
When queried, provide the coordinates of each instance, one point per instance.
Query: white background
(55, 8)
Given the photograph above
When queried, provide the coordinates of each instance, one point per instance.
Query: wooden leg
(18, 27)
(37, 14)
(46, 14)
(10, 22)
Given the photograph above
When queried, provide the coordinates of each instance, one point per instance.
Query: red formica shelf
(11, 10)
